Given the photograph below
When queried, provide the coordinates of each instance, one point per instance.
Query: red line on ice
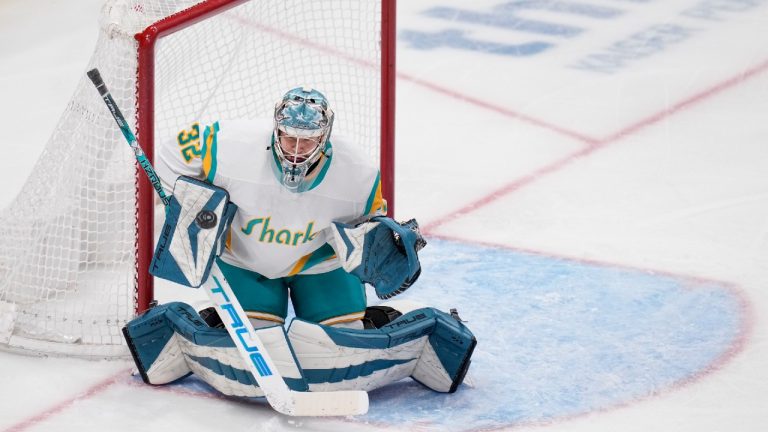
(61, 406)
(592, 145)
(498, 109)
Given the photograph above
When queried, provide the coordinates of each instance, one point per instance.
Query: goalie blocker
(197, 219)
(402, 339)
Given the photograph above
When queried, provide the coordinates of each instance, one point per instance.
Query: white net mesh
(264, 48)
(67, 242)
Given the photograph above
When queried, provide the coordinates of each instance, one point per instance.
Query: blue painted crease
(559, 338)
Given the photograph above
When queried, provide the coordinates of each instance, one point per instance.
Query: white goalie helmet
(303, 121)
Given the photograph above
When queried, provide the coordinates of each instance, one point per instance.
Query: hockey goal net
(75, 244)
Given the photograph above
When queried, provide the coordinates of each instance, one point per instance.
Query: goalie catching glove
(381, 252)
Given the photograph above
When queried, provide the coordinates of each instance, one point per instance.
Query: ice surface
(596, 211)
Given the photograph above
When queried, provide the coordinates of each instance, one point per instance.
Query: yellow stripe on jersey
(376, 204)
(210, 150)
(299, 266)
(324, 253)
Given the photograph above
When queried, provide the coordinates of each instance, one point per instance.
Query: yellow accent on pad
(344, 318)
(265, 316)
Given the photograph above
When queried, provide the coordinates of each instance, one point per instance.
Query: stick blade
(323, 404)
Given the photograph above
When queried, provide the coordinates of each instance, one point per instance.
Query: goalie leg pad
(196, 222)
(424, 343)
(446, 358)
(154, 347)
(171, 341)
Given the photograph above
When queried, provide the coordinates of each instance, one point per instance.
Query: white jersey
(275, 232)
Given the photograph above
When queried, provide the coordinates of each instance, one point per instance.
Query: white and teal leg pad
(170, 341)
(428, 345)
(196, 223)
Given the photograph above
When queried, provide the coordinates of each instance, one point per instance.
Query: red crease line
(593, 145)
(60, 407)
(498, 109)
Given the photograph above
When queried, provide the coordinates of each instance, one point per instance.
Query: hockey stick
(254, 355)
(260, 364)
(95, 77)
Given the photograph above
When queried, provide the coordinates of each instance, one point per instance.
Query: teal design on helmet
(303, 122)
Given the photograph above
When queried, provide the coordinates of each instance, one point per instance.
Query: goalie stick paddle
(254, 355)
(261, 366)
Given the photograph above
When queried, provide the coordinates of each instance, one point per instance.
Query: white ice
(661, 167)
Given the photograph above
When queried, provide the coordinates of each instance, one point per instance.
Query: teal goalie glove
(381, 252)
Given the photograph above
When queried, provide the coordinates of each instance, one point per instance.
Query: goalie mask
(303, 122)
